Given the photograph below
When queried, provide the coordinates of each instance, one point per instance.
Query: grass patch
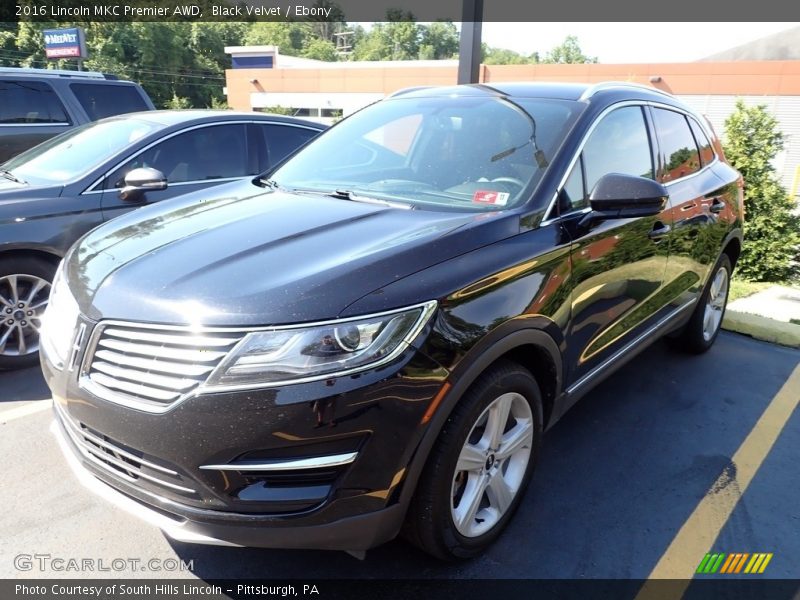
(742, 289)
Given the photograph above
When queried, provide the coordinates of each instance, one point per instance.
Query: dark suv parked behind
(381, 334)
(55, 192)
(36, 104)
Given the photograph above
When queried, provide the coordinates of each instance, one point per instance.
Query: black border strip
(715, 12)
(463, 589)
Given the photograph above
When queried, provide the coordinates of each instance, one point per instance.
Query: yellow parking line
(23, 411)
(701, 529)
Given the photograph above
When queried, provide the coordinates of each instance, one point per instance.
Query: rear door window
(100, 101)
(30, 102)
(282, 140)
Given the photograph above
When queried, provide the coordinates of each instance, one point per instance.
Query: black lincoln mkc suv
(372, 338)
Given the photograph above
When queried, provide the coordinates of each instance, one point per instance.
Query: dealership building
(262, 78)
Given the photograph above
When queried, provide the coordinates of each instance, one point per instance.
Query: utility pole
(469, 51)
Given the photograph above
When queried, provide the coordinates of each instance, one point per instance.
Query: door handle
(659, 230)
(717, 206)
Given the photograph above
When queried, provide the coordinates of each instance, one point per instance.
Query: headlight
(58, 322)
(307, 352)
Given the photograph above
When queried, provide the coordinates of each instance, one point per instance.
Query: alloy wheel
(492, 464)
(23, 299)
(715, 304)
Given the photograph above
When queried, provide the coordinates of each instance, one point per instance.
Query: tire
(697, 335)
(25, 280)
(440, 521)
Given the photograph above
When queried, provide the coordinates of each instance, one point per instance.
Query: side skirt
(675, 319)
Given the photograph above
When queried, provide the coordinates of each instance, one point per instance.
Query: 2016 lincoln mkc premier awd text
(375, 336)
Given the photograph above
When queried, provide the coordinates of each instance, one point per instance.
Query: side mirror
(617, 196)
(139, 181)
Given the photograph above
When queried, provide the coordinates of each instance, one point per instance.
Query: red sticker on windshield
(490, 197)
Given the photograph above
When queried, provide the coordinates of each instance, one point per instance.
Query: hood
(261, 259)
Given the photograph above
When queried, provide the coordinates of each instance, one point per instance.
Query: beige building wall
(745, 78)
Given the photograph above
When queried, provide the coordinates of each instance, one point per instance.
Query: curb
(762, 328)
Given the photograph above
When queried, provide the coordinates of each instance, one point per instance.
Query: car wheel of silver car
(477, 473)
(24, 292)
(705, 323)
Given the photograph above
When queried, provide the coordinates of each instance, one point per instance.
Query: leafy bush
(178, 103)
(772, 229)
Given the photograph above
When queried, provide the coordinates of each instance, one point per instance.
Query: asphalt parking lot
(672, 457)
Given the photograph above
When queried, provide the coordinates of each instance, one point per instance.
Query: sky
(630, 42)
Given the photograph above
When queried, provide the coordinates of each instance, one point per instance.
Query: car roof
(543, 89)
(167, 118)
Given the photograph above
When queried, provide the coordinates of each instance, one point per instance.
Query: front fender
(512, 335)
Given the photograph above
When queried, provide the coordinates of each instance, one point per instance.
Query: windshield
(77, 151)
(454, 153)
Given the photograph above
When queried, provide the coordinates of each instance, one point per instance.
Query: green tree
(397, 39)
(321, 49)
(8, 45)
(771, 229)
(179, 102)
(278, 110)
(219, 104)
(289, 37)
(502, 56)
(325, 27)
(438, 41)
(568, 52)
(371, 45)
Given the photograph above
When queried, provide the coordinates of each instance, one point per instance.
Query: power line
(146, 81)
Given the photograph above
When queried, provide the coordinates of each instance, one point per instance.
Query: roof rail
(603, 85)
(54, 72)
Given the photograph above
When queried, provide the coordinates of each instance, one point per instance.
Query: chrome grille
(149, 368)
(119, 462)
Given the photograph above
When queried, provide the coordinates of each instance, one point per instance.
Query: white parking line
(23, 411)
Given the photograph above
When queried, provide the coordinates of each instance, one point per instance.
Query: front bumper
(356, 533)
(377, 415)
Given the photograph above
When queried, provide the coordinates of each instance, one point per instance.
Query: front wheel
(24, 293)
(478, 471)
(703, 327)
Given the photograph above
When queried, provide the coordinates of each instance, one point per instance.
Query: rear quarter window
(100, 101)
(703, 143)
(679, 154)
(29, 102)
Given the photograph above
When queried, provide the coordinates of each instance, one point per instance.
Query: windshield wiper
(12, 177)
(340, 194)
(352, 196)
